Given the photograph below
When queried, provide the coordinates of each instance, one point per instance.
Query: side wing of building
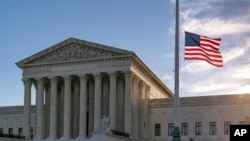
(204, 118)
(11, 121)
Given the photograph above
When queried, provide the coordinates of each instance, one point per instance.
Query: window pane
(212, 128)
(1, 132)
(20, 132)
(31, 132)
(170, 129)
(184, 129)
(227, 127)
(10, 132)
(157, 129)
(198, 128)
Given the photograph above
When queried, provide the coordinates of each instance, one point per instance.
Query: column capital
(67, 78)
(112, 75)
(27, 81)
(148, 88)
(128, 74)
(83, 77)
(97, 75)
(39, 79)
(142, 84)
(53, 77)
(136, 79)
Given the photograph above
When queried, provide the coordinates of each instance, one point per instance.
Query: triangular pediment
(73, 50)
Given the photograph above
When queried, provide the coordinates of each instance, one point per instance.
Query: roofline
(209, 100)
(74, 40)
(21, 63)
(168, 91)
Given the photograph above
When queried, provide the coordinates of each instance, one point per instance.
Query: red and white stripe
(207, 51)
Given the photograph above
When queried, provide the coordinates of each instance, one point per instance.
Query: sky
(145, 27)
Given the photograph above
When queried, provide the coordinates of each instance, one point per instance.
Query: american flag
(203, 48)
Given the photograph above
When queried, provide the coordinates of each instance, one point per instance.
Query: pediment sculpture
(73, 52)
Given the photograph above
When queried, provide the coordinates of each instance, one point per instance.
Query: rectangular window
(1, 132)
(31, 132)
(184, 129)
(157, 129)
(198, 128)
(212, 128)
(227, 127)
(20, 132)
(10, 132)
(170, 129)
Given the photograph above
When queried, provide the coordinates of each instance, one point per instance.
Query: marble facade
(77, 82)
(213, 113)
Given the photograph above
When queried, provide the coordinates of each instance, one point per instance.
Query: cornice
(217, 100)
(74, 49)
(9, 110)
(77, 62)
(139, 64)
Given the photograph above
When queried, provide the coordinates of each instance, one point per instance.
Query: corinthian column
(128, 102)
(112, 101)
(53, 108)
(97, 106)
(135, 106)
(27, 103)
(67, 107)
(39, 106)
(83, 107)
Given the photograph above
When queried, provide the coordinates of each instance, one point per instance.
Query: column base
(38, 139)
(65, 138)
(51, 138)
(81, 138)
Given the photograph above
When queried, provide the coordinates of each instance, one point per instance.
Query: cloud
(215, 18)
(196, 67)
(216, 26)
(228, 19)
(229, 80)
(170, 55)
(245, 89)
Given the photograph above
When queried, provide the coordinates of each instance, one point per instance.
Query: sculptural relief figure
(71, 52)
(104, 124)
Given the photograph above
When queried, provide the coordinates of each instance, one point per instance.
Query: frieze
(73, 52)
(37, 70)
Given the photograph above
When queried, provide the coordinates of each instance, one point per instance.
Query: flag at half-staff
(203, 48)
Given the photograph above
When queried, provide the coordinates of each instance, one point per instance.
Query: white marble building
(203, 118)
(77, 82)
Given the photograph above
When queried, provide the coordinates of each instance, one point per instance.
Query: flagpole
(176, 132)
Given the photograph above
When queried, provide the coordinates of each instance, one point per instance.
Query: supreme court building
(78, 82)
(93, 92)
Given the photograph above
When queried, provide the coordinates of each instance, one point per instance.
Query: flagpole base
(176, 134)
